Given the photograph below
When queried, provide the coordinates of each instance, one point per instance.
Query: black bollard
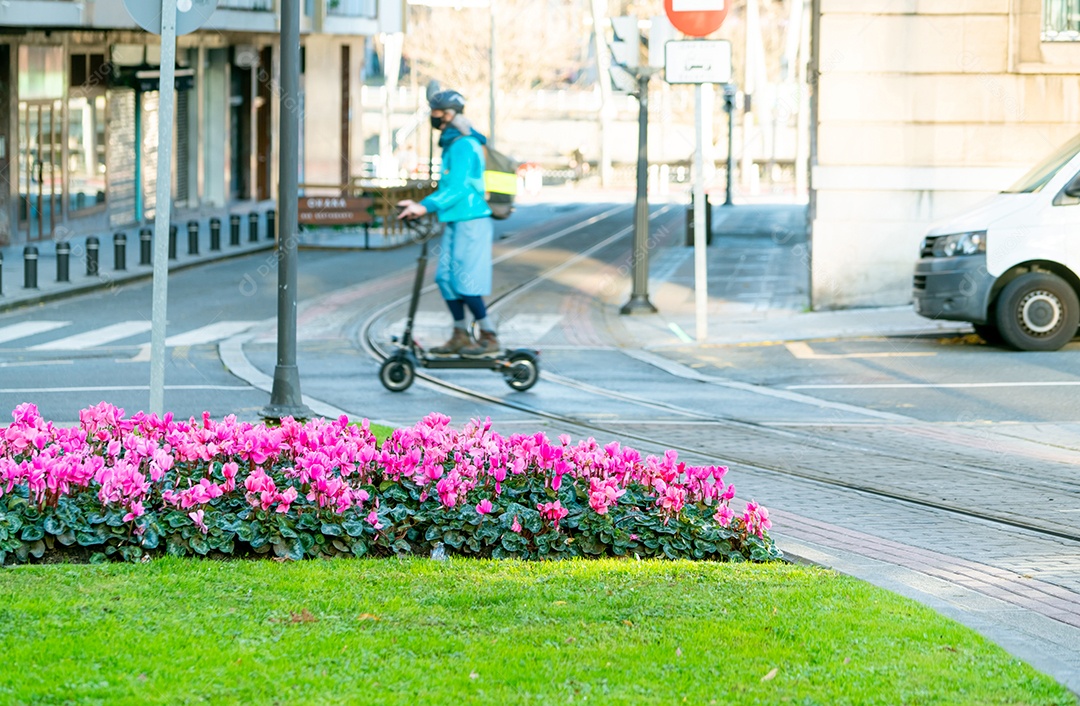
(192, 237)
(93, 245)
(215, 234)
(234, 230)
(30, 262)
(1, 274)
(271, 225)
(172, 241)
(146, 246)
(119, 252)
(253, 227)
(63, 261)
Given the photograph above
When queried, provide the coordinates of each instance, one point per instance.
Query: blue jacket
(460, 194)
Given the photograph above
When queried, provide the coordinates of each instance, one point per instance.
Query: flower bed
(128, 487)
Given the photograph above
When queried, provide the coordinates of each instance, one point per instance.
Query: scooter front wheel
(397, 374)
(523, 373)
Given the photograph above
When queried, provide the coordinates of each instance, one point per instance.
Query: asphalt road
(94, 347)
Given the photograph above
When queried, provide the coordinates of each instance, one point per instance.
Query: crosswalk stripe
(96, 337)
(209, 333)
(29, 328)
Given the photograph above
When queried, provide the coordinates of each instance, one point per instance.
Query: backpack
(500, 182)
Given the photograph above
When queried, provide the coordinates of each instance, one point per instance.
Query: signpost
(698, 62)
(169, 19)
(696, 18)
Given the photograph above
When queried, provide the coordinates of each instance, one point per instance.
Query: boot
(458, 340)
(487, 346)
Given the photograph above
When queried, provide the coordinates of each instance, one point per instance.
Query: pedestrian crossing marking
(29, 328)
(96, 337)
(209, 333)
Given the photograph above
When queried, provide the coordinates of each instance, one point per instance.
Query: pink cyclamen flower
(516, 527)
(553, 511)
(135, 510)
(373, 520)
(724, 515)
(197, 518)
(483, 507)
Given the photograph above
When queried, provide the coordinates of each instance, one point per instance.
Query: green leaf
(354, 528)
(53, 525)
(32, 533)
(454, 538)
(99, 558)
(88, 539)
(67, 538)
(284, 528)
(331, 529)
(290, 548)
(37, 549)
(307, 540)
(131, 553)
(177, 546)
(199, 545)
(150, 538)
(402, 547)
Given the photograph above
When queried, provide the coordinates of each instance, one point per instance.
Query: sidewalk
(123, 260)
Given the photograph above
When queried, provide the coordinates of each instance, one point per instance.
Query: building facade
(79, 109)
(923, 108)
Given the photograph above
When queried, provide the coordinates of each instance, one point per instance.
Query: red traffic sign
(696, 18)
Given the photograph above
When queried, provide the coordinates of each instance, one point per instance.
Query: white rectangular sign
(697, 61)
(697, 5)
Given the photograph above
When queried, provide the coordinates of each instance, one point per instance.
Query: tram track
(787, 452)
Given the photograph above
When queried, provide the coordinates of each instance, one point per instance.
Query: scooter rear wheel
(397, 374)
(523, 373)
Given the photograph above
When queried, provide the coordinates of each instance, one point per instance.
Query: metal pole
(162, 206)
(285, 397)
(701, 277)
(491, 76)
(729, 106)
(639, 297)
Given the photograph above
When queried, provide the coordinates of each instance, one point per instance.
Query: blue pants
(465, 259)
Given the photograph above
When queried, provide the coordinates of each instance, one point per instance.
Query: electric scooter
(520, 367)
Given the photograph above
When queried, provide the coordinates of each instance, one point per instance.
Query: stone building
(924, 107)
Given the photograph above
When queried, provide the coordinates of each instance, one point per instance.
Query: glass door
(40, 167)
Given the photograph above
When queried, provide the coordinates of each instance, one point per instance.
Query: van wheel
(1038, 311)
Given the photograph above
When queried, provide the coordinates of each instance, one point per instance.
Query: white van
(1010, 264)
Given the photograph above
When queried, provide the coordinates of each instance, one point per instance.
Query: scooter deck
(500, 362)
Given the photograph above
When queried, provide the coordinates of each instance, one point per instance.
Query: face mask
(436, 122)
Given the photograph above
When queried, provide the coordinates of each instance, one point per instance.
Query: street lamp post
(639, 297)
(285, 397)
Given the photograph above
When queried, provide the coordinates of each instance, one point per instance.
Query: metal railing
(1061, 21)
(352, 8)
(254, 5)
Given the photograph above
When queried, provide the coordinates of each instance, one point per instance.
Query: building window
(86, 139)
(1061, 21)
(86, 152)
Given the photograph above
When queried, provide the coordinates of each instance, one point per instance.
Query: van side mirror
(1072, 189)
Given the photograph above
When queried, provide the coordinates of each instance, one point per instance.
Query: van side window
(1070, 193)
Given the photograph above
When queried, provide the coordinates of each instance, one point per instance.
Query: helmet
(447, 100)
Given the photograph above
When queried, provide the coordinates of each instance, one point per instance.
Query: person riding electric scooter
(464, 270)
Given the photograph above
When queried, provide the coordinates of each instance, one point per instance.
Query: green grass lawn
(466, 631)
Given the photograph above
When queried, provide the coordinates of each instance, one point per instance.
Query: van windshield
(1045, 170)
